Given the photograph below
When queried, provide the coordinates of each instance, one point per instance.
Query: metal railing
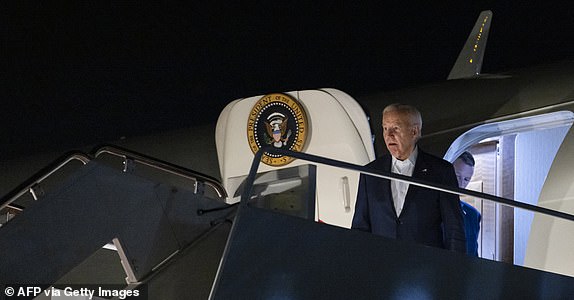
(390, 176)
(33, 183)
(130, 156)
(30, 185)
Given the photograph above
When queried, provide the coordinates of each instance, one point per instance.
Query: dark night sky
(88, 72)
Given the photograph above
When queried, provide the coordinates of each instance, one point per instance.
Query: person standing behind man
(401, 211)
(464, 169)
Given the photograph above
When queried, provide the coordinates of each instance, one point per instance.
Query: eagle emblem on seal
(277, 130)
(277, 120)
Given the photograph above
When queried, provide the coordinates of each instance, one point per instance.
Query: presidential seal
(280, 121)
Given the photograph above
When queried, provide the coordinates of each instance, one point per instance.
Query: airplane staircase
(182, 242)
(66, 235)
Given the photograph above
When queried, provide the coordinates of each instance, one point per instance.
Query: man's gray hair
(409, 110)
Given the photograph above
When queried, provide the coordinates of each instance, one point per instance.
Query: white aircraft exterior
(517, 124)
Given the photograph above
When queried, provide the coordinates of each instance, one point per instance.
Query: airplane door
(533, 165)
(551, 240)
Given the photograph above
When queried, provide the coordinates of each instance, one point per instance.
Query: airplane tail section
(469, 61)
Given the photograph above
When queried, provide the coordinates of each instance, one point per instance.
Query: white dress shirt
(398, 188)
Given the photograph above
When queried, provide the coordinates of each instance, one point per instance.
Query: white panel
(551, 239)
(534, 154)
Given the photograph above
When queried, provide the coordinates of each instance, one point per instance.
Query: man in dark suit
(398, 210)
(464, 169)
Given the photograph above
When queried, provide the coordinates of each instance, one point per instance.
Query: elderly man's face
(400, 134)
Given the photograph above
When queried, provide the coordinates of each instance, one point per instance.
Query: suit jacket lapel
(420, 172)
(388, 195)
